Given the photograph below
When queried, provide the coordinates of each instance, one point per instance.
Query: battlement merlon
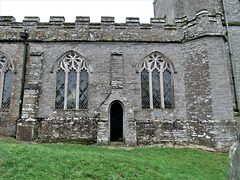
(204, 24)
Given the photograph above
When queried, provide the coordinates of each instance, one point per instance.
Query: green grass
(52, 161)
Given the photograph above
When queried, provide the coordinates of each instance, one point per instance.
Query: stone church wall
(235, 37)
(8, 117)
(233, 17)
(202, 107)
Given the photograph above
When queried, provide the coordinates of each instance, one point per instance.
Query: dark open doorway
(116, 122)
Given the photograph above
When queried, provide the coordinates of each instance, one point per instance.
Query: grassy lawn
(52, 161)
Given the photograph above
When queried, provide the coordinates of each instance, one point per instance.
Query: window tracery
(6, 75)
(72, 82)
(156, 82)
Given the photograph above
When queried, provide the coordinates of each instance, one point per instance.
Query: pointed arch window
(72, 82)
(156, 82)
(6, 76)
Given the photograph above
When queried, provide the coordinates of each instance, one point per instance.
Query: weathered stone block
(31, 20)
(24, 133)
(107, 20)
(234, 162)
(7, 19)
(57, 20)
(82, 20)
(132, 21)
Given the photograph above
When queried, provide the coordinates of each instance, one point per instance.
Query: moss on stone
(145, 27)
(234, 23)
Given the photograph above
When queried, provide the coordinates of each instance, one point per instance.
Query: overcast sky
(120, 9)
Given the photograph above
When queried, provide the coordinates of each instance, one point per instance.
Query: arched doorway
(116, 122)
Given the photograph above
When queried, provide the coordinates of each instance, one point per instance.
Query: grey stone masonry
(8, 117)
(233, 10)
(194, 74)
(234, 162)
(116, 70)
(132, 31)
(172, 9)
(233, 19)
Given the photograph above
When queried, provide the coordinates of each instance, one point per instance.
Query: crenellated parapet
(132, 30)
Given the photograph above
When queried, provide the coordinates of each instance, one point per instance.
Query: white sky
(120, 9)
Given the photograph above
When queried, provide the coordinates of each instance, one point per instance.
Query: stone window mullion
(150, 89)
(1, 86)
(162, 89)
(77, 89)
(66, 89)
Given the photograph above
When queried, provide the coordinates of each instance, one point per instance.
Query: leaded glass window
(6, 76)
(167, 86)
(83, 90)
(156, 82)
(60, 86)
(72, 82)
(156, 89)
(145, 89)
